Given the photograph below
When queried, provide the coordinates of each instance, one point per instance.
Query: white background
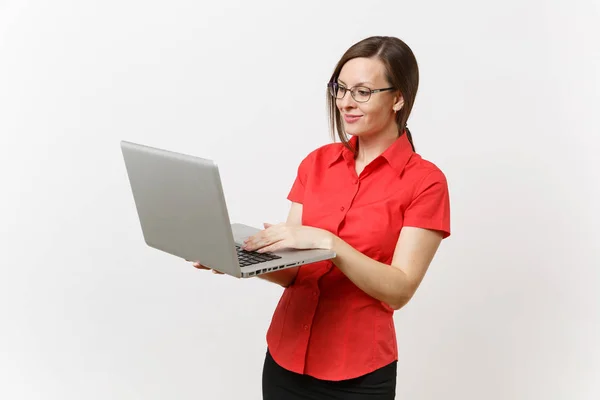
(508, 108)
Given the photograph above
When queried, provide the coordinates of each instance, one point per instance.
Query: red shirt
(324, 325)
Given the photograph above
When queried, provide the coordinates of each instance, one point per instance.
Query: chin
(352, 131)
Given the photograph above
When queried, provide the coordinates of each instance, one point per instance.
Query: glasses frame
(332, 85)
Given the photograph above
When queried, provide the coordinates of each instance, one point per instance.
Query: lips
(350, 119)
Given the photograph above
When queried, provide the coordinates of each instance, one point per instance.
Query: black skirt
(281, 384)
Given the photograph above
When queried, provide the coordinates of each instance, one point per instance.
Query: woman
(384, 211)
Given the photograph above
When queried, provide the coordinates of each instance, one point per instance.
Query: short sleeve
(296, 193)
(430, 207)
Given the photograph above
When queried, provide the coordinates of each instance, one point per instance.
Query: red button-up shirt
(324, 325)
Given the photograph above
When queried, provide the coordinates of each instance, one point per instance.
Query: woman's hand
(285, 236)
(200, 266)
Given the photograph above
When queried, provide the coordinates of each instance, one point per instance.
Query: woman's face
(375, 116)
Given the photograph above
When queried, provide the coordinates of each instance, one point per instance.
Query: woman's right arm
(286, 277)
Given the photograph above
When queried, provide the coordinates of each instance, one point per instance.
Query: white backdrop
(508, 108)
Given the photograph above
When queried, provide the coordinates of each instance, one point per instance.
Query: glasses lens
(361, 94)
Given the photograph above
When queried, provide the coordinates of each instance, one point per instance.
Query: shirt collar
(397, 154)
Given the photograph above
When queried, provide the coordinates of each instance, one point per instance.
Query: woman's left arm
(426, 224)
(393, 284)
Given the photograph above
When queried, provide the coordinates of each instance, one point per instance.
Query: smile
(351, 118)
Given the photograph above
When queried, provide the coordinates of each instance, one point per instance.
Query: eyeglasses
(359, 93)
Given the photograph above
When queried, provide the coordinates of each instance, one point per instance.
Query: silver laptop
(181, 207)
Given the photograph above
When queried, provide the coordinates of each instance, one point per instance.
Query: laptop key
(247, 258)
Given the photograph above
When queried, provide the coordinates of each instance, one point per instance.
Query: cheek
(376, 116)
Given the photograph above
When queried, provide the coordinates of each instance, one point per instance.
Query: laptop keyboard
(247, 258)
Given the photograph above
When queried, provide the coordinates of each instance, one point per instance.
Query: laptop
(182, 211)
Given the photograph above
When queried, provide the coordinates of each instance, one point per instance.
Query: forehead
(360, 70)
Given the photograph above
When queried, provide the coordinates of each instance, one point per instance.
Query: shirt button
(315, 294)
(342, 208)
(305, 327)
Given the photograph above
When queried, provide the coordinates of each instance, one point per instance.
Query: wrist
(328, 241)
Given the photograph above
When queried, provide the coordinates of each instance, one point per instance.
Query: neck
(372, 146)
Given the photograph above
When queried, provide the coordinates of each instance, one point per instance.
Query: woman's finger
(262, 244)
(199, 266)
(274, 247)
(265, 238)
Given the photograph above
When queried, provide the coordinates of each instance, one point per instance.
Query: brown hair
(402, 72)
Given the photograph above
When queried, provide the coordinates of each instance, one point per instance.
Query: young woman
(384, 211)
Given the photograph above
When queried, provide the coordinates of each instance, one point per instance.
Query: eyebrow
(358, 84)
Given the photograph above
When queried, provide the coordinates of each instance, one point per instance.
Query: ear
(399, 103)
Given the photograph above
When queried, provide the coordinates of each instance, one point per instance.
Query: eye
(363, 91)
